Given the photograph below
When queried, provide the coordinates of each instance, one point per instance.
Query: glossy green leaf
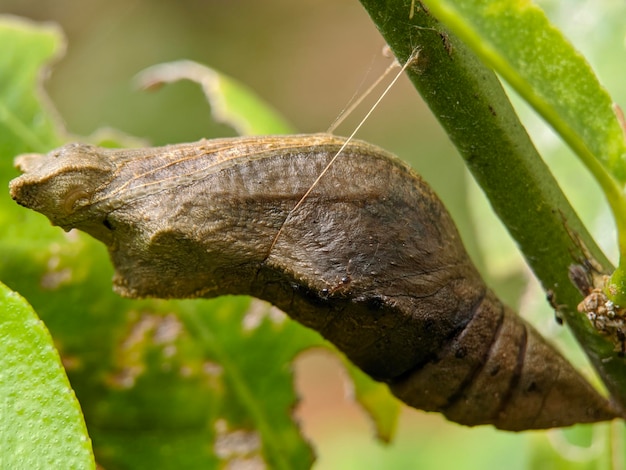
(42, 424)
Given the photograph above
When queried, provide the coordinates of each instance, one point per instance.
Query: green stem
(468, 100)
(496, 60)
(512, 74)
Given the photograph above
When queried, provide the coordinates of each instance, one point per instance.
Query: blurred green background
(308, 58)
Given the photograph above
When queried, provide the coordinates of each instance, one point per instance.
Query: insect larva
(201, 220)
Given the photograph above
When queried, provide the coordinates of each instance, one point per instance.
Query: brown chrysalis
(370, 259)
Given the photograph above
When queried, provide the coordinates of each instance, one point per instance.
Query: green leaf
(42, 424)
(575, 448)
(188, 390)
(25, 125)
(231, 102)
(255, 386)
(377, 400)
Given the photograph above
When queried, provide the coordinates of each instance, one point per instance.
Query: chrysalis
(370, 258)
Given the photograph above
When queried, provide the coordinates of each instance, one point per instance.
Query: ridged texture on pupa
(370, 259)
